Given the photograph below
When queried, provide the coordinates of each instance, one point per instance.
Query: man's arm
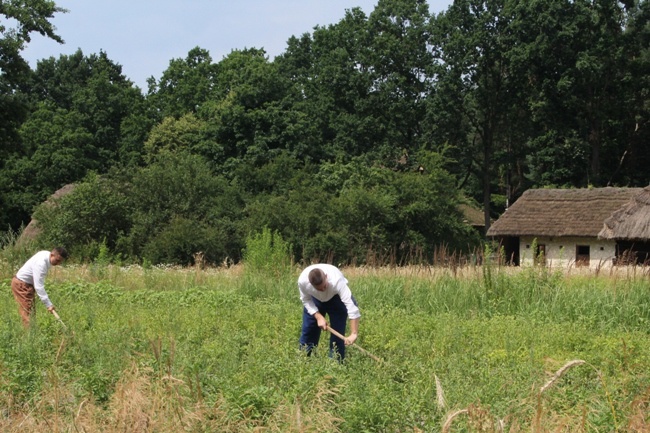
(39, 286)
(308, 302)
(322, 323)
(354, 332)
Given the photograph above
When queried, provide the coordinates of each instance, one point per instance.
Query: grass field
(478, 349)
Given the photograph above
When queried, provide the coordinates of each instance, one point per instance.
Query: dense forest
(359, 142)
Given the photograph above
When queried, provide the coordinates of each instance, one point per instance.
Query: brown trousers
(24, 294)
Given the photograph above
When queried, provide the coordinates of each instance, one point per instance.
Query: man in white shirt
(324, 291)
(29, 281)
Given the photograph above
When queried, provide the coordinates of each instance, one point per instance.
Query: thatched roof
(561, 212)
(32, 230)
(472, 215)
(630, 222)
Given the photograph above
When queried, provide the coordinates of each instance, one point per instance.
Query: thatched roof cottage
(629, 226)
(583, 227)
(473, 216)
(32, 230)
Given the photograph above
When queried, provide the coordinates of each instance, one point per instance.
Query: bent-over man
(29, 281)
(324, 291)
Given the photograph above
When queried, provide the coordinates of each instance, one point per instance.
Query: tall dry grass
(146, 402)
(535, 415)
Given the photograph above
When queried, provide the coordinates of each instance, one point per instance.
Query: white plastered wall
(561, 252)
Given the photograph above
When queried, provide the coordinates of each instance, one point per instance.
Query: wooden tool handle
(342, 337)
(56, 315)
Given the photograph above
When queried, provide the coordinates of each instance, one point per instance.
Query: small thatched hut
(561, 226)
(473, 216)
(629, 226)
(32, 230)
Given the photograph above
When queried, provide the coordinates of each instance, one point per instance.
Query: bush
(345, 213)
(171, 195)
(267, 253)
(181, 239)
(96, 211)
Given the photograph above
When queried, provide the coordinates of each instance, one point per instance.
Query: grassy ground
(480, 349)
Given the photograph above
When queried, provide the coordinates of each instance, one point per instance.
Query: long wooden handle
(56, 315)
(342, 337)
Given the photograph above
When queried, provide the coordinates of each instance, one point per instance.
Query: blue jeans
(338, 317)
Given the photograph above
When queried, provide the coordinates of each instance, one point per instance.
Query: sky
(143, 36)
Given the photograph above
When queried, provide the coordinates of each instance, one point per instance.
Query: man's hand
(51, 309)
(354, 331)
(322, 323)
(350, 339)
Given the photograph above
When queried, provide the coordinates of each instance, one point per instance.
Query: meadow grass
(476, 349)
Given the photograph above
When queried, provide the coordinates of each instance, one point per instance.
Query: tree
(360, 213)
(246, 122)
(185, 85)
(636, 157)
(361, 84)
(575, 58)
(170, 195)
(473, 81)
(539, 92)
(27, 17)
(176, 135)
(331, 88)
(96, 212)
(95, 88)
(401, 66)
(79, 105)
(55, 154)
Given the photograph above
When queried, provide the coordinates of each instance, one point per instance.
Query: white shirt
(337, 284)
(33, 272)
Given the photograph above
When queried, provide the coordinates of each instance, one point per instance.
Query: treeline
(357, 143)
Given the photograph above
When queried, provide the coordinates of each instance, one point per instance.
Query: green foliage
(185, 85)
(173, 135)
(104, 256)
(229, 358)
(78, 106)
(181, 239)
(14, 252)
(354, 144)
(97, 211)
(20, 20)
(166, 212)
(268, 254)
(358, 213)
(55, 155)
(170, 195)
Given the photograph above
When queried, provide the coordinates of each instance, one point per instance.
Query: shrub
(96, 211)
(181, 239)
(267, 253)
(171, 196)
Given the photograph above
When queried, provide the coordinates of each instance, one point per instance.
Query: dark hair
(316, 277)
(62, 252)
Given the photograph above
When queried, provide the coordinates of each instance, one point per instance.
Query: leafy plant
(268, 254)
